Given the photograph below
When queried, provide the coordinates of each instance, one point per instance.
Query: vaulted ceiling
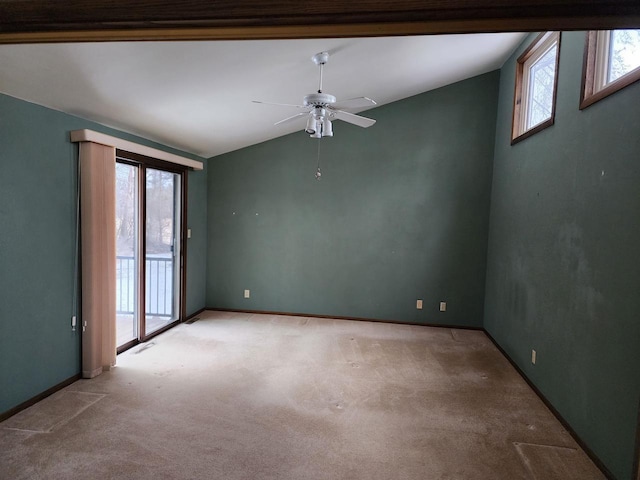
(197, 96)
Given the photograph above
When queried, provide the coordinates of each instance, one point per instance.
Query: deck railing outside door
(159, 277)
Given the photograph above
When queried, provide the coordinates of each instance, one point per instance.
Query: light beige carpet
(241, 396)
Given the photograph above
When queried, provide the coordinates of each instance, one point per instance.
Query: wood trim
(588, 93)
(338, 317)
(594, 458)
(536, 129)
(41, 396)
(516, 136)
(383, 29)
(636, 463)
(110, 20)
(530, 50)
(120, 144)
(588, 69)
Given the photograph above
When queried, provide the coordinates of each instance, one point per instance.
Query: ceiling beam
(25, 21)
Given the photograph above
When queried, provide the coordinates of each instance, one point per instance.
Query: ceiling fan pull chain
(318, 173)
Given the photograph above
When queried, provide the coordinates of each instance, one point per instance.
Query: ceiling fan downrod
(320, 59)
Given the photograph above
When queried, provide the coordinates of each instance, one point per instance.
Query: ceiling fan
(321, 108)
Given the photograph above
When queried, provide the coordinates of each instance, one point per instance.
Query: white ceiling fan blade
(292, 118)
(359, 102)
(280, 104)
(363, 122)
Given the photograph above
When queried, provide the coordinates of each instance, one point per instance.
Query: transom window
(536, 85)
(612, 61)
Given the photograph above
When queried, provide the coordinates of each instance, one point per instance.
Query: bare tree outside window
(541, 85)
(125, 208)
(160, 211)
(611, 63)
(624, 51)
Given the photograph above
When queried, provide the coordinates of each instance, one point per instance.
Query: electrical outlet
(533, 357)
(247, 293)
(419, 304)
(188, 233)
(443, 306)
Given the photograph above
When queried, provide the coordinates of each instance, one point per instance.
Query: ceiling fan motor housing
(319, 99)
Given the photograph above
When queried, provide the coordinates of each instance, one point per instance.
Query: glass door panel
(162, 224)
(126, 253)
(148, 250)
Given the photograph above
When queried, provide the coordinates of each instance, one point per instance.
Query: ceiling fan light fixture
(327, 127)
(312, 126)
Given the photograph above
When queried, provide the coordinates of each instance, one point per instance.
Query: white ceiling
(196, 96)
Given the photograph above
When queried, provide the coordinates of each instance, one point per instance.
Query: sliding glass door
(127, 252)
(149, 202)
(162, 273)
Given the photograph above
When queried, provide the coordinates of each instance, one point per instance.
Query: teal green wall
(563, 273)
(401, 213)
(37, 243)
(197, 244)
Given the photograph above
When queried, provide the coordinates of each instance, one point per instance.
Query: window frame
(538, 47)
(595, 66)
